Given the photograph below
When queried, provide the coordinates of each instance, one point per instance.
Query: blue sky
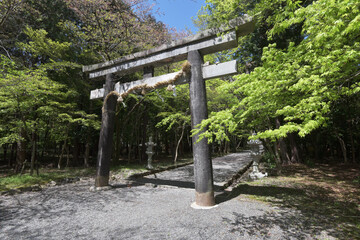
(178, 13)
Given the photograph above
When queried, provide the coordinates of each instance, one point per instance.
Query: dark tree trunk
(33, 153)
(353, 149)
(178, 144)
(20, 152)
(343, 148)
(67, 156)
(87, 151)
(295, 157)
(277, 158)
(167, 146)
(129, 152)
(138, 142)
(76, 152)
(226, 147)
(145, 121)
(12, 153)
(285, 159)
(62, 154)
(5, 147)
(45, 142)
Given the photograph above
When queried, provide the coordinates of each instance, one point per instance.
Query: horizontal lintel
(209, 72)
(208, 46)
(242, 25)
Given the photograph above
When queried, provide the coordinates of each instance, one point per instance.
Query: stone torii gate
(193, 49)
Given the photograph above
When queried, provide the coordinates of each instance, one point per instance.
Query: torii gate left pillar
(106, 134)
(107, 129)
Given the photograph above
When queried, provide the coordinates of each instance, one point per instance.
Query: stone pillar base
(101, 181)
(205, 199)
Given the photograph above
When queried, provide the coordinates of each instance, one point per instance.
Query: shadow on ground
(155, 182)
(306, 211)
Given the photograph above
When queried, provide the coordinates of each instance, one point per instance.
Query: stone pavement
(149, 208)
(224, 168)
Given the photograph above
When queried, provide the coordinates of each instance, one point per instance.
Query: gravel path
(153, 207)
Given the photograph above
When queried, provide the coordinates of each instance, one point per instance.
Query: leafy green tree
(117, 28)
(174, 114)
(27, 97)
(297, 86)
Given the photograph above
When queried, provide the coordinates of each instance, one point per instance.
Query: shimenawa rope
(186, 67)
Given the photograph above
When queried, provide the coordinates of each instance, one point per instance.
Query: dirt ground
(326, 195)
(322, 202)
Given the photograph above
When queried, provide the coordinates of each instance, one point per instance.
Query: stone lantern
(150, 152)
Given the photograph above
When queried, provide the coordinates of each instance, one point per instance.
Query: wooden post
(106, 135)
(203, 171)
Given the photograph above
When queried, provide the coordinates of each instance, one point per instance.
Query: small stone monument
(256, 148)
(256, 174)
(149, 151)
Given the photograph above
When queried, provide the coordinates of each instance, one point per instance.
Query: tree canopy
(309, 65)
(44, 95)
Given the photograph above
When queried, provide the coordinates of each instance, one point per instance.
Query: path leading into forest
(153, 207)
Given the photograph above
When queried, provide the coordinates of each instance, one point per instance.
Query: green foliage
(269, 160)
(218, 126)
(170, 119)
(17, 181)
(40, 45)
(116, 28)
(299, 83)
(46, 176)
(172, 111)
(24, 97)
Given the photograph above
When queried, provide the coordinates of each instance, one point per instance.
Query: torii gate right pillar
(203, 171)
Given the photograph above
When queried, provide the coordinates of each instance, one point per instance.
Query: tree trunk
(285, 159)
(87, 151)
(45, 142)
(76, 152)
(5, 147)
(167, 146)
(343, 148)
(178, 144)
(145, 120)
(23, 167)
(20, 151)
(12, 153)
(353, 150)
(62, 154)
(33, 153)
(295, 157)
(129, 152)
(277, 158)
(226, 147)
(318, 153)
(67, 156)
